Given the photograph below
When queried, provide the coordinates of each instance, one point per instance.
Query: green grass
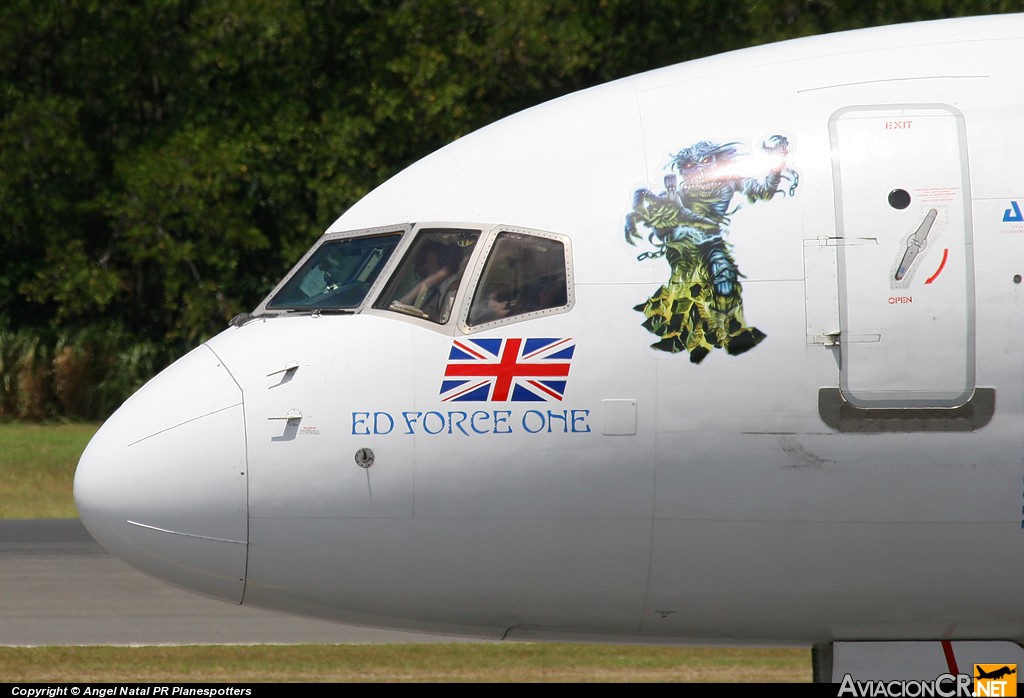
(513, 662)
(37, 468)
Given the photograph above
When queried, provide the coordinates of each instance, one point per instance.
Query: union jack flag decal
(515, 369)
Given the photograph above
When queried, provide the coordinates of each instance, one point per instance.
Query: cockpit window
(524, 274)
(337, 275)
(428, 278)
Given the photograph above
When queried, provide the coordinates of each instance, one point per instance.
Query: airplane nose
(162, 485)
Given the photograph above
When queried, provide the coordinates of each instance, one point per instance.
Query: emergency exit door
(905, 263)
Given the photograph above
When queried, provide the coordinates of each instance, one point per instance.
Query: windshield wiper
(334, 311)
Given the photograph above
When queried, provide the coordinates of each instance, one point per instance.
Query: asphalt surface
(59, 587)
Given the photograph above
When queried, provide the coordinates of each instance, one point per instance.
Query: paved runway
(59, 587)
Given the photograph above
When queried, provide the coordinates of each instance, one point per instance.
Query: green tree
(163, 162)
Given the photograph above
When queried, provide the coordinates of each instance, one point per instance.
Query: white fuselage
(855, 475)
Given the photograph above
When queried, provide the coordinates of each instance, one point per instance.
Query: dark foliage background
(164, 162)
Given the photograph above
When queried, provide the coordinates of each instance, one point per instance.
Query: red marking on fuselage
(942, 265)
(947, 649)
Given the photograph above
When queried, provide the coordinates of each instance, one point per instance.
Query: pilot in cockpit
(438, 268)
(494, 304)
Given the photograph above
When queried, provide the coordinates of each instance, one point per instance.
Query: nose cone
(162, 485)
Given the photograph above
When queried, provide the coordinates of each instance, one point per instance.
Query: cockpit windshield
(427, 280)
(337, 275)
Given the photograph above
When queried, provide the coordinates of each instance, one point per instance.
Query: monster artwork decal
(701, 307)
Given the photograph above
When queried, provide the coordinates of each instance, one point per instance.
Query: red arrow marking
(942, 265)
